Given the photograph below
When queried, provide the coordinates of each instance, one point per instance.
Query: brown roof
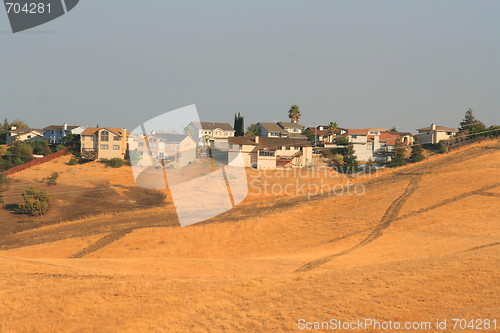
(272, 127)
(59, 127)
(438, 128)
(389, 138)
(211, 125)
(94, 130)
(268, 143)
(289, 125)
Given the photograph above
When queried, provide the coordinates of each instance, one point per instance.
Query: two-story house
(103, 142)
(54, 133)
(269, 153)
(434, 134)
(280, 130)
(210, 133)
(173, 150)
(376, 143)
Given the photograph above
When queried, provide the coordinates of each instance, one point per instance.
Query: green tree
(239, 125)
(36, 202)
(21, 152)
(333, 128)
(253, 129)
(294, 113)
(310, 134)
(41, 147)
(341, 140)
(470, 125)
(417, 152)
(72, 143)
(350, 160)
(398, 155)
(393, 130)
(52, 179)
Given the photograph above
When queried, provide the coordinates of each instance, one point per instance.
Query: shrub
(73, 161)
(36, 202)
(114, 162)
(52, 179)
(442, 149)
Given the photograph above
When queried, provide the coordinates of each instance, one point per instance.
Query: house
(324, 135)
(23, 134)
(205, 133)
(174, 150)
(376, 143)
(103, 142)
(281, 130)
(272, 130)
(269, 153)
(54, 133)
(434, 134)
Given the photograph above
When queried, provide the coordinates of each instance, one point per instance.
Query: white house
(23, 134)
(376, 143)
(54, 133)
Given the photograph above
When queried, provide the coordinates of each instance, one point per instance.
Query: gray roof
(438, 128)
(175, 138)
(211, 126)
(272, 127)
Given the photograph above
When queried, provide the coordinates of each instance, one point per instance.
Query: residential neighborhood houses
(266, 145)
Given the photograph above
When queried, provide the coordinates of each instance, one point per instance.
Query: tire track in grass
(390, 216)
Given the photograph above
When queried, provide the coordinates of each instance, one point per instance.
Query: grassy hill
(421, 244)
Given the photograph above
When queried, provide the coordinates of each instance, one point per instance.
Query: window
(266, 153)
(104, 147)
(280, 148)
(448, 133)
(104, 136)
(141, 144)
(92, 138)
(152, 145)
(287, 148)
(354, 136)
(241, 147)
(83, 146)
(116, 147)
(369, 146)
(116, 138)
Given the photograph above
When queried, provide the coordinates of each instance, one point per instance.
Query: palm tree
(294, 113)
(333, 127)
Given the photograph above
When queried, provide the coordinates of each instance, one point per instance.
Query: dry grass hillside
(421, 244)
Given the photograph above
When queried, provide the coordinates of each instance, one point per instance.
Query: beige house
(434, 134)
(173, 150)
(210, 133)
(103, 142)
(23, 134)
(281, 130)
(269, 153)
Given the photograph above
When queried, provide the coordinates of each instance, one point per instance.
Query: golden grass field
(422, 244)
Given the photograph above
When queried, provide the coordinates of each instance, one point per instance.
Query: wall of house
(266, 162)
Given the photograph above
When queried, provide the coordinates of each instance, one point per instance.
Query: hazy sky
(360, 63)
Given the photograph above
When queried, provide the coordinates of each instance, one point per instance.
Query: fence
(454, 143)
(37, 161)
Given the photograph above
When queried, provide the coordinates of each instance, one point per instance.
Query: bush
(73, 161)
(52, 179)
(442, 149)
(36, 202)
(114, 162)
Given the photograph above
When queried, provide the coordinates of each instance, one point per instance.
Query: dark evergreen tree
(253, 129)
(239, 125)
(350, 160)
(398, 156)
(471, 125)
(417, 152)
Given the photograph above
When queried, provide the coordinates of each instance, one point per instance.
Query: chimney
(257, 139)
(65, 127)
(433, 127)
(376, 141)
